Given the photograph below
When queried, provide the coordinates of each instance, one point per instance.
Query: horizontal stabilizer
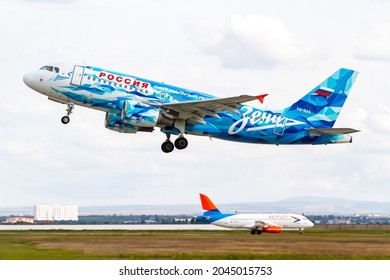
(331, 131)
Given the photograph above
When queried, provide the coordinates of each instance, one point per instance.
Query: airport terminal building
(55, 212)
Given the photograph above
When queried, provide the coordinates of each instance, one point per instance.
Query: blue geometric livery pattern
(133, 104)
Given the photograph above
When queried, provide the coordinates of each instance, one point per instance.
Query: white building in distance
(55, 212)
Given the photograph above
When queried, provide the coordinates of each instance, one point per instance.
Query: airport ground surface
(192, 244)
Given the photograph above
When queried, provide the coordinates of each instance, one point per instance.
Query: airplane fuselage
(247, 221)
(135, 104)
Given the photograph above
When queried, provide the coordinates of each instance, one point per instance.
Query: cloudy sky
(223, 48)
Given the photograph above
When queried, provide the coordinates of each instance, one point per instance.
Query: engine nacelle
(272, 229)
(114, 122)
(139, 114)
(341, 139)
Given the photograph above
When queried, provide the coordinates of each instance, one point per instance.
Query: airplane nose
(28, 79)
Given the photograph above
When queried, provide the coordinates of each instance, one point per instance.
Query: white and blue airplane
(256, 223)
(134, 104)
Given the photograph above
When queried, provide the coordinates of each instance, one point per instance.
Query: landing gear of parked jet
(256, 231)
(69, 110)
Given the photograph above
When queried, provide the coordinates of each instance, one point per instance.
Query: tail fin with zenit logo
(322, 105)
(207, 205)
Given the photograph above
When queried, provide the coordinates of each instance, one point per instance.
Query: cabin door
(77, 76)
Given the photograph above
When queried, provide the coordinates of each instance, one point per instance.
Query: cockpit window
(50, 68)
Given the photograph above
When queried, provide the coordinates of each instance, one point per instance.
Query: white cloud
(251, 41)
(375, 45)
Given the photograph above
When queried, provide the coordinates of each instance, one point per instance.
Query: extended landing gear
(69, 110)
(65, 119)
(180, 144)
(167, 146)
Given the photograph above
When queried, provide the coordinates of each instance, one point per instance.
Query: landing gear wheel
(65, 119)
(253, 232)
(181, 143)
(69, 110)
(167, 146)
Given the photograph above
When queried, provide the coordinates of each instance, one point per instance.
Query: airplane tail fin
(207, 205)
(322, 105)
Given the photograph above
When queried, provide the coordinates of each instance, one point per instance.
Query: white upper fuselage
(286, 221)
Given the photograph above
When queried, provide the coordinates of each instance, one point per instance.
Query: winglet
(207, 204)
(261, 97)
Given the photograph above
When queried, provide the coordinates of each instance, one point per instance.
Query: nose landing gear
(69, 110)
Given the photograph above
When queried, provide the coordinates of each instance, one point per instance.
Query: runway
(111, 227)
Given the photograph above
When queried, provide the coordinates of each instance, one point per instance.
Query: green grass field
(200, 245)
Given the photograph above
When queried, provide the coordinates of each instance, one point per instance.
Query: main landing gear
(180, 144)
(256, 231)
(69, 110)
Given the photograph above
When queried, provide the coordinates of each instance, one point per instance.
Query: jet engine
(114, 122)
(341, 139)
(272, 229)
(143, 115)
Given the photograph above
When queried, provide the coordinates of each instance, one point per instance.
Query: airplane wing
(259, 224)
(331, 131)
(197, 110)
